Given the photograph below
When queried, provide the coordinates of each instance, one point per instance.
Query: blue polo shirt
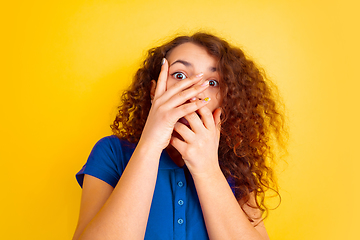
(175, 211)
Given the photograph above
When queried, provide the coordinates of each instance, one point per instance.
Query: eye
(213, 83)
(179, 75)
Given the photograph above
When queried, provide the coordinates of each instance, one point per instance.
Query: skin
(188, 60)
(114, 213)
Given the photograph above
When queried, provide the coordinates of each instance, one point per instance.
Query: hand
(200, 146)
(168, 106)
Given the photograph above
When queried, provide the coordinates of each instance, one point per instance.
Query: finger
(195, 122)
(180, 86)
(184, 131)
(161, 83)
(187, 108)
(178, 144)
(181, 97)
(217, 119)
(207, 118)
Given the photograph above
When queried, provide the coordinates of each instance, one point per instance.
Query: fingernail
(199, 75)
(205, 83)
(193, 99)
(163, 61)
(206, 99)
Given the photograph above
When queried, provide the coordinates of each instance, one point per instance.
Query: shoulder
(113, 145)
(113, 151)
(107, 160)
(114, 141)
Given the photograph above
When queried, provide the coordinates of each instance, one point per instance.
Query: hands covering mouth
(185, 122)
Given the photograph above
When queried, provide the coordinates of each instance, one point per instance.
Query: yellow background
(65, 63)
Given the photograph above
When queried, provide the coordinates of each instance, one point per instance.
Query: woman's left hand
(199, 149)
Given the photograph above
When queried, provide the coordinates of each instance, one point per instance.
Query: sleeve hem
(98, 173)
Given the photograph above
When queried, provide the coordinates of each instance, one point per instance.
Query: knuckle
(207, 114)
(192, 116)
(181, 94)
(161, 109)
(181, 127)
(167, 116)
(187, 108)
(199, 103)
(197, 87)
(189, 152)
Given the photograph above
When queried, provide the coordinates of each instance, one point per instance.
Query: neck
(175, 156)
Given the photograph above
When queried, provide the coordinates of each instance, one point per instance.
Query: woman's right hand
(169, 105)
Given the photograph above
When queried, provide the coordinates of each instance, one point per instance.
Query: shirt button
(180, 184)
(180, 202)
(180, 221)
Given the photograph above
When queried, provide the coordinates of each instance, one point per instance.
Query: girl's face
(187, 60)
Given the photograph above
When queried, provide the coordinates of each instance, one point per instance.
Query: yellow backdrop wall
(65, 63)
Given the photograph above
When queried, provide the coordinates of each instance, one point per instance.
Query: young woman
(190, 151)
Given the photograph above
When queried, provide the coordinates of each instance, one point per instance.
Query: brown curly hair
(252, 120)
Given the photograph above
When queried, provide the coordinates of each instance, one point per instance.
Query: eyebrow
(187, 64)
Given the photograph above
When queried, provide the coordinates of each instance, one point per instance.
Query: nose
(201, 95)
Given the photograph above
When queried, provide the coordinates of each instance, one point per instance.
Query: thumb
(161, 83)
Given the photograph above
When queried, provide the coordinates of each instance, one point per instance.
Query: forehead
(193, 53)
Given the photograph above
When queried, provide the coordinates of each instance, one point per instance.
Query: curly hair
(252, 120)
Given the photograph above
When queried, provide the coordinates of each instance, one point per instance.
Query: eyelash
(212, 83)
(176, 73)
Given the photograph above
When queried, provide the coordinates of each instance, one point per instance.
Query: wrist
(149, 148)
(209, 173)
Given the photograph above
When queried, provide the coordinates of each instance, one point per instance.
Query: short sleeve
(106, 161)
